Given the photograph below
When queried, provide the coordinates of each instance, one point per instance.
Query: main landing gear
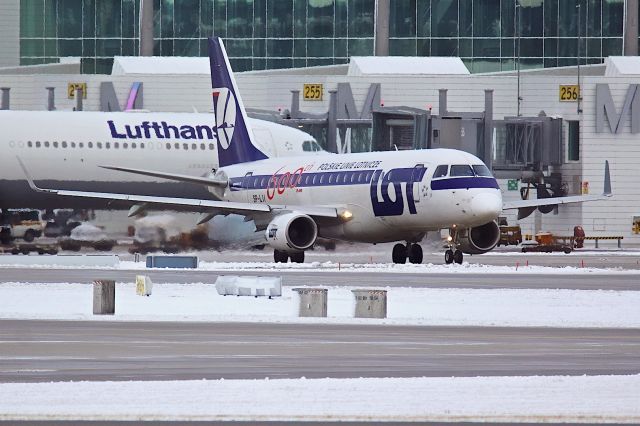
(412, 252)
(280, 256)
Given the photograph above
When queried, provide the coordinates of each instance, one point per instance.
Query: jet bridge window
(482, 170)
(441, 171)
(461, 170)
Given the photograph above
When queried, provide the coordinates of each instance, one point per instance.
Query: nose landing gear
(451, 256)
(411, 251)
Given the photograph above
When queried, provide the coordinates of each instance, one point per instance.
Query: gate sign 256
(569, 93)
(312, 92)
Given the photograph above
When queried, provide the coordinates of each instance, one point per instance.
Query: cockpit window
(441, 171)
(459, 170)
(482, 170)
(311, 146)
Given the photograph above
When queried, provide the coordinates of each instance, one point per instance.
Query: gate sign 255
(312, 92)
(569, 93)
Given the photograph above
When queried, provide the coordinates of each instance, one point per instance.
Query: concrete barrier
(313, 302)
(61, 260)
(144, 286)
(249, 286)
(370, 303)
(183, 262)
(104, 297)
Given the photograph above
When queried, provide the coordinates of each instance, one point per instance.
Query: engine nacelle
(479, 239)
(291, 232)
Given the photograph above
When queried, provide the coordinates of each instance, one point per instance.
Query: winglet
(607, 180)
(30, 179)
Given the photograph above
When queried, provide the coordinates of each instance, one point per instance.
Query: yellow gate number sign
(72, 87)
(312, 92)
(569, 93)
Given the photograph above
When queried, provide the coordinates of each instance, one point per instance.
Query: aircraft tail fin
(235, 141)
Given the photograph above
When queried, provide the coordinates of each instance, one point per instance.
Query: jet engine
(291, 232)
(479, 239)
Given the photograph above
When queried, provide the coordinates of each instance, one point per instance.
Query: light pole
(579, 7)
(516, 29)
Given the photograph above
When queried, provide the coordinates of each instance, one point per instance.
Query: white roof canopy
(407, 65)
(622, 65)
(123, 65)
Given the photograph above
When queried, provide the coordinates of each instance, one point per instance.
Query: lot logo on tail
(225, 113)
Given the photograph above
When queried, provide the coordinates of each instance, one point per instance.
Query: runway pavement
(35, 351)
(343, 278)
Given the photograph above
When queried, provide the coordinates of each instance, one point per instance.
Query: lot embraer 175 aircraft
(65, 148)
(371, 197)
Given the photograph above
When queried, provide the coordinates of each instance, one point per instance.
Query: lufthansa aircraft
(64, 149)
(370, 197)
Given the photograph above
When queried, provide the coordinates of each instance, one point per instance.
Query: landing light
(449, 238)
(346, 215)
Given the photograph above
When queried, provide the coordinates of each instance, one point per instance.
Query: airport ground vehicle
(20, 223)
(87, 235)
(34, 248)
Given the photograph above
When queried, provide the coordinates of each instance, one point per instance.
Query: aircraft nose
(486, 205)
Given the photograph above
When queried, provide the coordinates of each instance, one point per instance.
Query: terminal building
(543, 131)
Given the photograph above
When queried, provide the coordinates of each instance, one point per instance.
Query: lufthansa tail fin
(235, 141)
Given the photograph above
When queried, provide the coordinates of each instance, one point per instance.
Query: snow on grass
(406, 306)
(483, 399)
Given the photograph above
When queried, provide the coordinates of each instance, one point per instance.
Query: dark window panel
(592, 61)
(423, 20)
(130, 18)
(239, 48)
(157, 14)
(280, 18)
(507, 64)
(300, 18)
(573, 141)
(444, 47)
(108, 22)
(319, 48)
(220, 18)
(300, 48)
(594, 47)
(594, 18)
(550, 62)
(531, 63)
(402, 18)
(32, 47)
(360, 47)
(486, 47)
(157, 48)
(550, 47)
(104, 66)
(340, 47)
(279, 48)
(50, 18)
(69, 19)
(611, 47)
(532, 21)
(239, 65)
(466, 18)
(507, 8)
(186, 17)
(486, 18)
(186, 47)
(88, 66)
(319, 62)
(259, 63)
(129, 47)
(567, 62)
(259, 47)
(108, 47)
(320, 19)
(444, 18)
(206, 18)
(342, 22)
(70, 48)
(424, 47)
(466, 47)
(260, 17)
(531, 47)
(239, 18)
(361, 18)
(89, 47)
(166, 19)
(279, 63)
(568, 23)
(50, 47)
(166, 47)
(612, 18)
(568, 47)
(550, 18)
(402, 47)
(486, 65)
(299, 63)
(31, 18)
(507, 47)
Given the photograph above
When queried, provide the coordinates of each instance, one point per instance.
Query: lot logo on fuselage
(225, 113)
(393, 179)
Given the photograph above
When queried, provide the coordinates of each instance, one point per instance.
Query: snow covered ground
(492, 399)
(415, 306)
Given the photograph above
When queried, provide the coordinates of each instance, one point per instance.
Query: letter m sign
(606, 108)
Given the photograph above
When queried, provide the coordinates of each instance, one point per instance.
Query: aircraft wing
(523, 204)
(171, 176)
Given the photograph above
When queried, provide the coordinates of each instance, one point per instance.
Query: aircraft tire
(29, 236)
(415, 253)
(448, 257)
(399, 253)
(458, 256)
(297, 257)
(280, 256)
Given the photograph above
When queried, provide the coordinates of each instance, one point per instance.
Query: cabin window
(315, 178)
(81, 145)
(116, 145)
(322, 178)
(73, 144)
(99, 145)
(461, 170)
(64, 144)
(90, 144)
(107, 145)
(168, 146)
(29, 144)
(46, 144)
(133, 145)
(55, 144)
(202, 147)
(211, 147)
(185, 146)
(194, 146)
(441, 171)
(482, 170)
(176, 145)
